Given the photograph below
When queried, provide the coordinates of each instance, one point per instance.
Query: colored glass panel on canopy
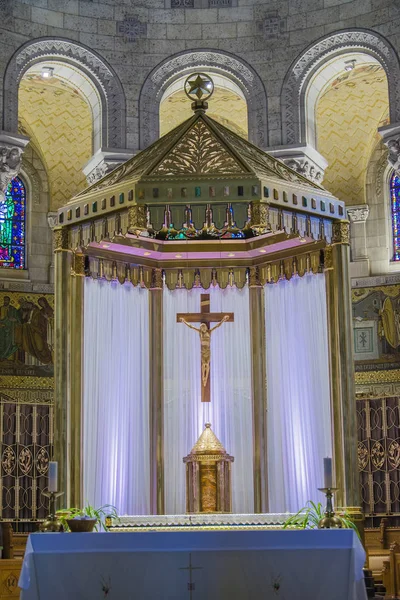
(12, 226)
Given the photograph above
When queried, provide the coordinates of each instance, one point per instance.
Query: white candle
(53, 468)
(328, 472)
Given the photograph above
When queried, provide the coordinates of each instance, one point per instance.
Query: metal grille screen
(27, 440)
(379, 455)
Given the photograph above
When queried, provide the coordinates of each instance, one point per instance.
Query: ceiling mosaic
(59, 122)
(348, 113)
(225, 106)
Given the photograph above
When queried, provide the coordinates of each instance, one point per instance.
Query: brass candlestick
(52, 523)
(329, 521)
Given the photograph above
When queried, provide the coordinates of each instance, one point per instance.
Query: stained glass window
(12, 226)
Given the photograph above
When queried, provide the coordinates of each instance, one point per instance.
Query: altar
(217, 565)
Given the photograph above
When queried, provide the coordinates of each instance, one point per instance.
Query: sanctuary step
(204, 521)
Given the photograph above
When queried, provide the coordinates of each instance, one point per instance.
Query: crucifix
(205, 317)
(191, 584)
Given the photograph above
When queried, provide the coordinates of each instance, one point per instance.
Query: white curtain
(230, 410)
(299, 421)
(116, 397)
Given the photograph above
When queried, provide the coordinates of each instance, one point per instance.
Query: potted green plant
(311, 514)
(87, 518)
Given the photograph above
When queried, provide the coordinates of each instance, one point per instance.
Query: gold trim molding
(384, 376)
(26, 382)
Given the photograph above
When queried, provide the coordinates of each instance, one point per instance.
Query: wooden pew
(11, 562)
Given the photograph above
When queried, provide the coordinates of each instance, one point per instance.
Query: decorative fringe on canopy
(189, 278)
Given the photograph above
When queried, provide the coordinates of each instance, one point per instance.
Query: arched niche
(317, 63)
(85, 67)
(228, 105)
(212, 61)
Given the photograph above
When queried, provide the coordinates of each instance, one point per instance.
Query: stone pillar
(52, 220)
(304, 159)
(156, 358)
(103, 162)
(259, 391)
(343, 403)
(76, 379)
(62, 327)
(11, 150)
(358, 216)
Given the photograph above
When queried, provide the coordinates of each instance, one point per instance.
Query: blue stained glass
(12, 226)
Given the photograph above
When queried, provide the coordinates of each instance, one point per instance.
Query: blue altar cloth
(234, 565)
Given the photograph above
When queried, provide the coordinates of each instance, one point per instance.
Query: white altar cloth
(234, 565)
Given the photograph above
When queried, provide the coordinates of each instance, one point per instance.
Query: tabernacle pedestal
(208, 475)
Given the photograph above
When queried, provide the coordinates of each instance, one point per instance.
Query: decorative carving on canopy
(341, 233)
(199, 152)
(61, 238)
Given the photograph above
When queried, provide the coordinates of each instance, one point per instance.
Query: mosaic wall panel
(26, 334)
(376, 327)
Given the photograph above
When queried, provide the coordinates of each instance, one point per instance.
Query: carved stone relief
(131, 29)
(221, 62)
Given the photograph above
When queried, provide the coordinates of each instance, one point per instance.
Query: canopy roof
(200, 146)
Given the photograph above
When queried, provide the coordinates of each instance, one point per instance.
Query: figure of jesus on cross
(205, 317)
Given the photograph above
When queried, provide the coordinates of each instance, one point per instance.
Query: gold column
(259, 391)
(62, 320)
(156, 359)
(343, 404)
(76, 304)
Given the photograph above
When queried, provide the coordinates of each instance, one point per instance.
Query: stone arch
(295, 85)
(91, 65)
(232, 67)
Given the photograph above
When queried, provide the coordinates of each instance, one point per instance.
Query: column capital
(156, 279)
(12, 147)
(137, 219)
(304, 159)
(341, 233)
(78, 264)
(391, 139)
(103, 162)
(259, 216)
(358, 214)
(61, 239)
(254, 277)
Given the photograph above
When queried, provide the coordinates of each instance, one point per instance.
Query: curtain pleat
(298, 402)
(230, 410)
(116, 397)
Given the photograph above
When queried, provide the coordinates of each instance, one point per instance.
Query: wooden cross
(206, 317)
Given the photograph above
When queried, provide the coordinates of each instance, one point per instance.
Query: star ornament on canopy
(199, 86)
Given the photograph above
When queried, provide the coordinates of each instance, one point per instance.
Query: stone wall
(135, 38)
(129, 40)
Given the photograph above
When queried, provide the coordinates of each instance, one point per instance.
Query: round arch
(91, 65)
(212, 61)
(315, 57)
